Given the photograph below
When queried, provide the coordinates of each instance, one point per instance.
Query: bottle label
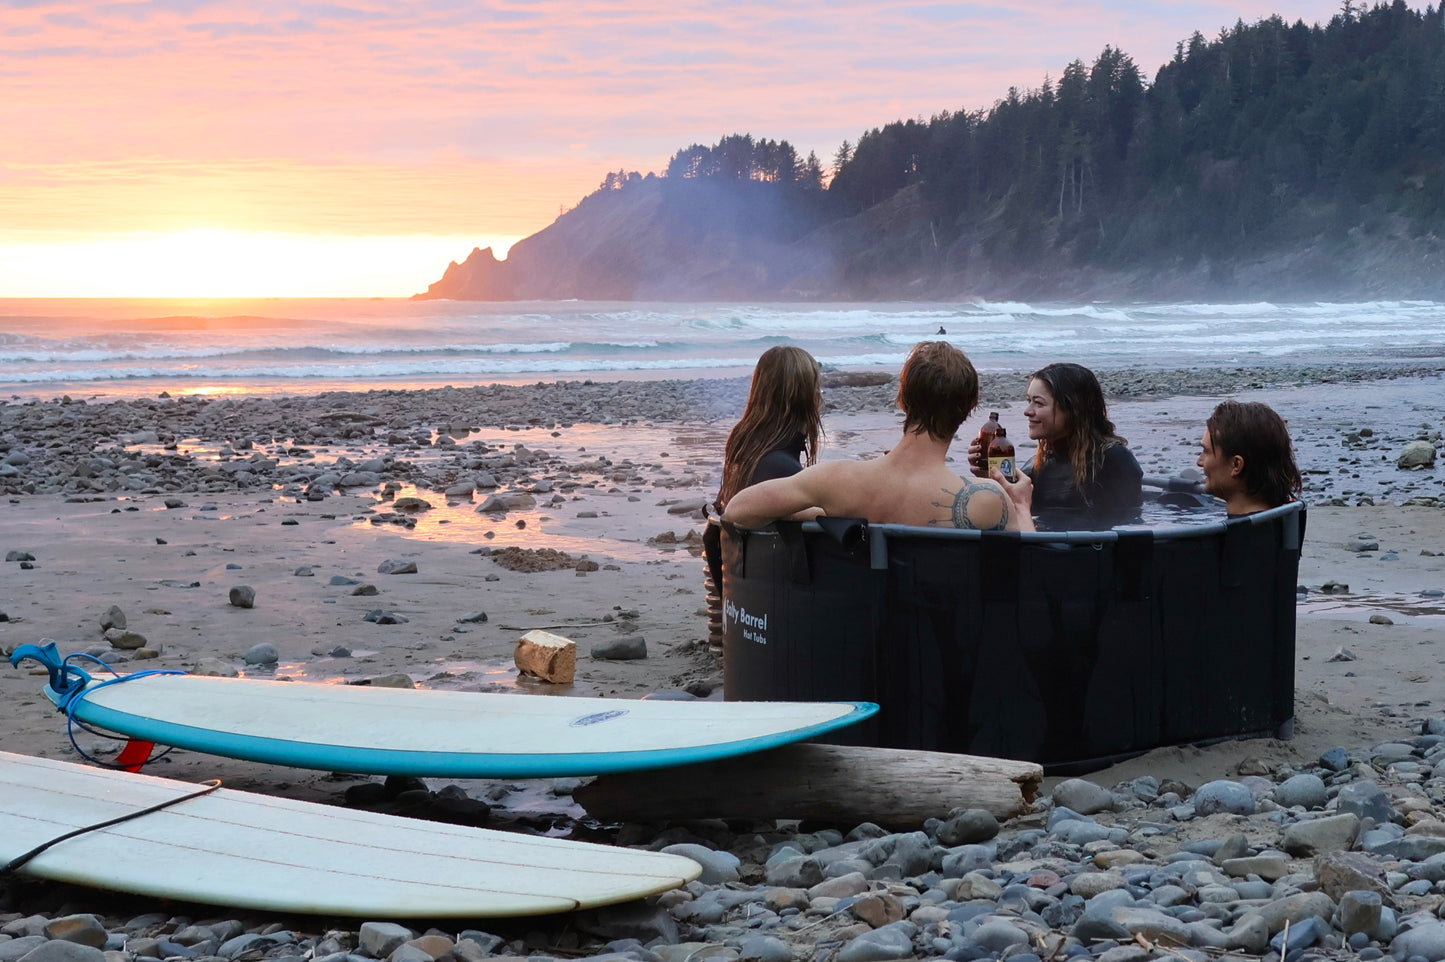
(1005, 465)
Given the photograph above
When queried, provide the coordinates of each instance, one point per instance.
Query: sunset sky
(354, 147)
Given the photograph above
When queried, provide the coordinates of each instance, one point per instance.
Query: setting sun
(219, 263)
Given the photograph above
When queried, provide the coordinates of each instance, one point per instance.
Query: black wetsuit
(1112, 496)
(780, 462)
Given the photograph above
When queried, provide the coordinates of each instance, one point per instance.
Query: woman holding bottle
(1083, 476)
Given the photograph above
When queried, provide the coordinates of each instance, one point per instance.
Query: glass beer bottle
(991, 427)
(1001, 454)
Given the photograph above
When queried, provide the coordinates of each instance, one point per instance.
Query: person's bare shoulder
(975, 503)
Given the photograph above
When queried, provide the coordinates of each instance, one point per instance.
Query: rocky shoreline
(1340, 859)
(74, 447)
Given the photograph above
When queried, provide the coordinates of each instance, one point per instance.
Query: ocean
(140, 347)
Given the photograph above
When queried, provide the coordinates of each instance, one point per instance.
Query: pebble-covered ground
(1341, 859)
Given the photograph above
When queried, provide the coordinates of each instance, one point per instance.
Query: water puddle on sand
(601, 526)
(1413, 608)
(446, 674)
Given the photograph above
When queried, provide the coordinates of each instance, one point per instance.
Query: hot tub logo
(754, 627)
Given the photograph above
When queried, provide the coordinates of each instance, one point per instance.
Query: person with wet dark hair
(1083, 475)
(912, 483)
(1247, 459)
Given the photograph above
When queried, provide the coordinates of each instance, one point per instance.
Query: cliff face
(718, 240)
(657, 240)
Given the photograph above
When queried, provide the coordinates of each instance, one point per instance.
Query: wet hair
(1256, 433)
(937, 389)
(784, 403)
(1088, 430)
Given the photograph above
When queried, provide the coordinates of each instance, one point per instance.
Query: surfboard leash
(15, 863)
(72, 684)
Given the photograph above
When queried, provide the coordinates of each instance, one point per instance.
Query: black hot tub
(1066, 648)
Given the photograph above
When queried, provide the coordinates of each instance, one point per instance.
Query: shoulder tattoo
(958, 507)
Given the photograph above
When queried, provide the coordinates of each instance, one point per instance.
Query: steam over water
(303, 346)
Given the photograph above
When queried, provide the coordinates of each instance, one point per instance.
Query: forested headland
(1276, 160)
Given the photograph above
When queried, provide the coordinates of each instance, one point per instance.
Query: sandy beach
(160, 506)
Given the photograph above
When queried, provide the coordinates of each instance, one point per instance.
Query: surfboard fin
(136, 753)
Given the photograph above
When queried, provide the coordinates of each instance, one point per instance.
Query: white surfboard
(253, 851)
(443, 734)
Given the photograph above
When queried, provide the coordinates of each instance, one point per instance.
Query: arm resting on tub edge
(768, 501)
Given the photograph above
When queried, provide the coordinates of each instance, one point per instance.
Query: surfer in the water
(911, 484)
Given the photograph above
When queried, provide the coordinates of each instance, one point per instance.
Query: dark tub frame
(1067, 648)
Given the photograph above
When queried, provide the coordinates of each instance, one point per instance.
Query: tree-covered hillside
(1275, 152)
(1239, 143)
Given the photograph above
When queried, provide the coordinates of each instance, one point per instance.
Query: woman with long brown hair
(1083, 474)
(776, 437)
(781, 426)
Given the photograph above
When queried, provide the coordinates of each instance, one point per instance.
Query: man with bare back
(911, 484)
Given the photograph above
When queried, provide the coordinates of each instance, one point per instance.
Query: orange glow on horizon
(217, 264)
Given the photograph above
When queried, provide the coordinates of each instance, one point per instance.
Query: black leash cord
(15, 863)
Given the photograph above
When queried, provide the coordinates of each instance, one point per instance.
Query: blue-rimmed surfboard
(442, 734)
(258, 852)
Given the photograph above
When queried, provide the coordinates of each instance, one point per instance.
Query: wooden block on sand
(549, 657)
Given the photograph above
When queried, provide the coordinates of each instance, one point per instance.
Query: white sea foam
(354, 340)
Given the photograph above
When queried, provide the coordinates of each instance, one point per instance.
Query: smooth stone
(969, 826)
(1304, 790)
(380, 939)
(764, 948)
(718, 868)
(1292, 909)
(1090, 884)
(82, 929)
(1267, 867)
(264, 653)
(243, 596)
(1249, 935)
(1416, 454)
(1152, 924)
(796, 871)
(1234, 846)
(1367, 800)
(124, 640)
(1310, 837)
(893, 941)
(1077, 831)
(621, 649)
(396, 566)
(58, 950)
(997, 935)
(1223, 796)
(1426, 941)
(1301, 936)
(1416, 848)
(1083, 796)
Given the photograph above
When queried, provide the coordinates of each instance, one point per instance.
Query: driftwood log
(842, 784)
